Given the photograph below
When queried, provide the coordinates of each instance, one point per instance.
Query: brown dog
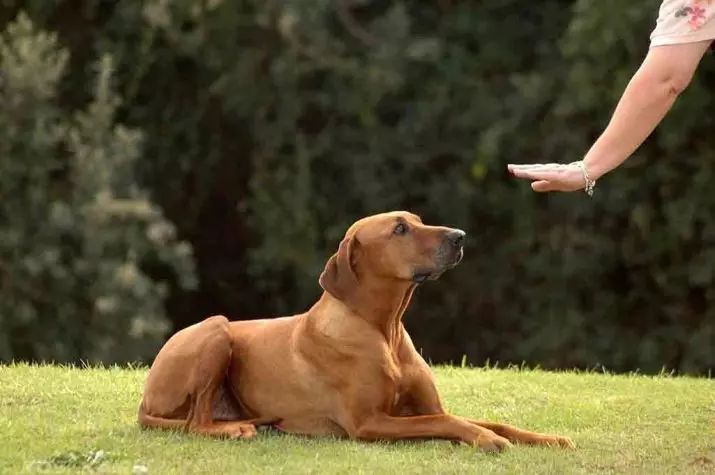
(347, 367)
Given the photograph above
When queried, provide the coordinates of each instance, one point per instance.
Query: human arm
(664, 74)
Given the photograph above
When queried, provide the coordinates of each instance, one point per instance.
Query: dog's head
(393, 246)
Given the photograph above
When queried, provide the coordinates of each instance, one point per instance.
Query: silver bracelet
(590, 184)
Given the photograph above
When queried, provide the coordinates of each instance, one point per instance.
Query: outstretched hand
(551, 176)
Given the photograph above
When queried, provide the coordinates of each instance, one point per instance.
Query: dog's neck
(380, 304)
(385, 306)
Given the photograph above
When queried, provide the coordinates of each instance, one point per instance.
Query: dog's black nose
(456, 237)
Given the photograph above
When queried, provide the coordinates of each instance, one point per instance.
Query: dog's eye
(400, 229)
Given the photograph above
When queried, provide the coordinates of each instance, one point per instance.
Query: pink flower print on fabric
(695, 13)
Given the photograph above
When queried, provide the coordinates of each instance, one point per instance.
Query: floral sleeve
(684, 21)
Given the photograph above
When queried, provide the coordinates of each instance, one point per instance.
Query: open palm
(550, 176)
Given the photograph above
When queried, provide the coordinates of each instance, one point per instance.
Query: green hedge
(268, 127)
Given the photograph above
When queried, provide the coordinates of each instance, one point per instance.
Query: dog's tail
(147, 421)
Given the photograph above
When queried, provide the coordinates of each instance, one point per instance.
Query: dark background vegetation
(162, 161)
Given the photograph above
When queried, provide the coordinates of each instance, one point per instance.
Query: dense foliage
(257, 131)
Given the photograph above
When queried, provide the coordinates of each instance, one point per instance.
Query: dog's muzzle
(448, 255)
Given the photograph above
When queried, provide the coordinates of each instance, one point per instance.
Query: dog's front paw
(556, 441)
(241, 431)
(493, 444)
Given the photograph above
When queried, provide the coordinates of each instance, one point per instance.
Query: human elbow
(677, 80)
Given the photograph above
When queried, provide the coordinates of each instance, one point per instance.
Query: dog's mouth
(423, 275)
(457, 259)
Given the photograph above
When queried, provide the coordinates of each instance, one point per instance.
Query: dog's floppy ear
(339, 278)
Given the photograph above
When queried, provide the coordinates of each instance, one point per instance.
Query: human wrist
(595, 168)
(589, 183)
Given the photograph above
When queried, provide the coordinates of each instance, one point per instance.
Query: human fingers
(537, 175)
(542, 186)
(536, 167)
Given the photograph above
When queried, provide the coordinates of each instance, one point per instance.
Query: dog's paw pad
(242, 431)
(558, 441)
(494, 444)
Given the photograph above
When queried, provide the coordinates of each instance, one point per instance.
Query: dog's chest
(397, 382)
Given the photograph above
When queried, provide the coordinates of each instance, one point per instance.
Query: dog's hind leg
(521, 436)
(183, 383)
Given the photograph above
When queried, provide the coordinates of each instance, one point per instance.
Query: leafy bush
(75, 228)
(269, 127)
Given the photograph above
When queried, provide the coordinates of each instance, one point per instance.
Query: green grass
(53, 419)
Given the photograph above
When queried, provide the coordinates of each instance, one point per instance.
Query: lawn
(60, 420)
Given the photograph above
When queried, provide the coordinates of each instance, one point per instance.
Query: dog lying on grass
(345, 368)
